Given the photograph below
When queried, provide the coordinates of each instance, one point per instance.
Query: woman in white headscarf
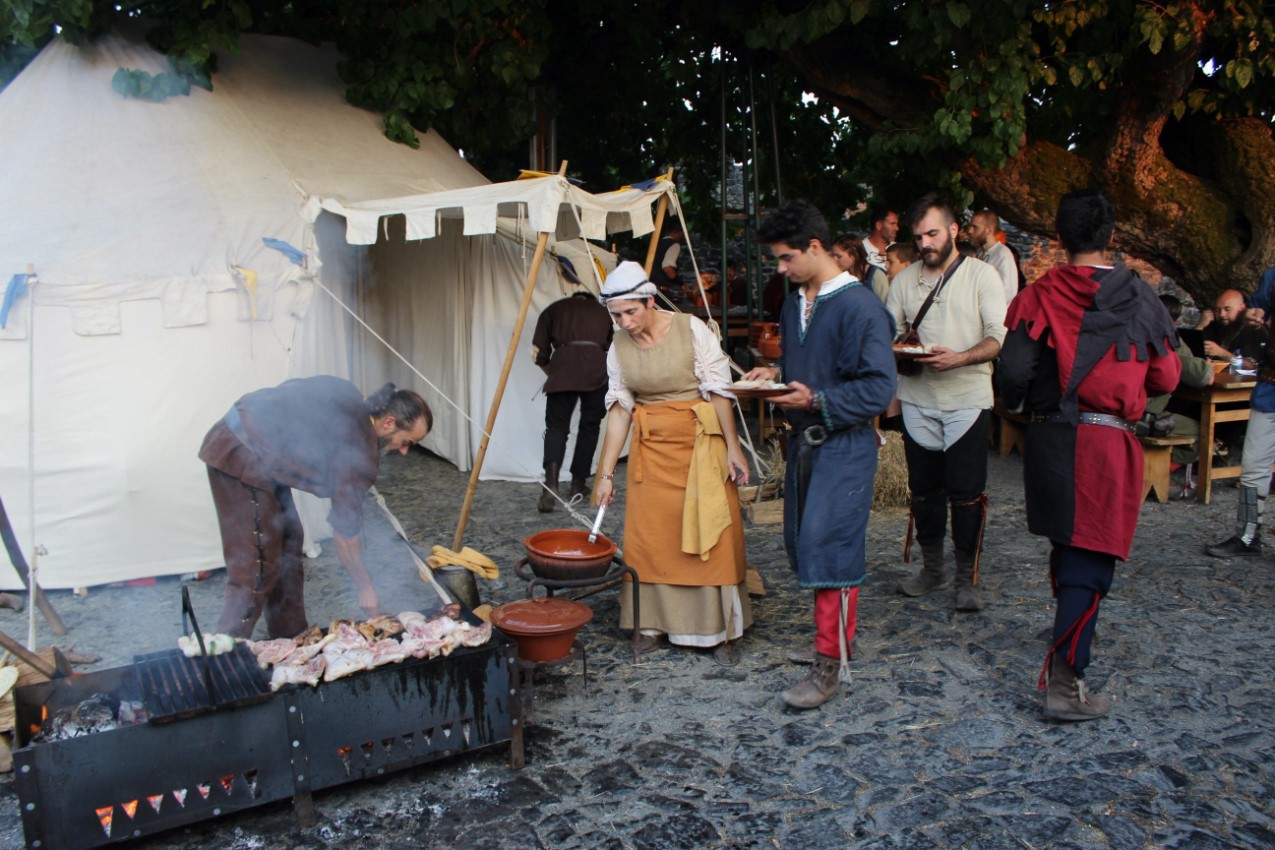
(682, 528)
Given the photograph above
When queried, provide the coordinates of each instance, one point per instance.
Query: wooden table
(1225, 400)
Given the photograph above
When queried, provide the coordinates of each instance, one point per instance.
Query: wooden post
(528, 289)
(660, 210)
(19, 562)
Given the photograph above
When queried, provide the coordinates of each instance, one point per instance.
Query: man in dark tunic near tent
(1087, 343)
(839, 364)
(317, 435)
(570, 345)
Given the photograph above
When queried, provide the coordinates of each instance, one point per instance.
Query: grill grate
(175, 687)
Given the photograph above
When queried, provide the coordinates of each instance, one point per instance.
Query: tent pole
(528, 289)
(660, 209)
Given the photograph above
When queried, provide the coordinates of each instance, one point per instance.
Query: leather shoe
(646, 643)
(727, 654)
(1235, 547)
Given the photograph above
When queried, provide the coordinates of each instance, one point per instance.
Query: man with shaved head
(982, 232)
(1226, 331)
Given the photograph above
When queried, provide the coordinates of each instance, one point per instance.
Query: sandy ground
(936, 744)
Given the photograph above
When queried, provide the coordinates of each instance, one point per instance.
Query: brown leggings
(261, 539)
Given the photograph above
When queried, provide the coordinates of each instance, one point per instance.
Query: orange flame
(105, 815)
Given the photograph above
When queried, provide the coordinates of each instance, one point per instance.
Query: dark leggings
(1081, 578)
(959, 476)
(558, 410)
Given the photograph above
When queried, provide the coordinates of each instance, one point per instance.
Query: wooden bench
(1157, 453)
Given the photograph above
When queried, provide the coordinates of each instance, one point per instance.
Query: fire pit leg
(302, 799)
(519, 709)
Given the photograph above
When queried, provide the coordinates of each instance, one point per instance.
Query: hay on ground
(891, 487)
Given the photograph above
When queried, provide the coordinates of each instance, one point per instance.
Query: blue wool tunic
(844, 355)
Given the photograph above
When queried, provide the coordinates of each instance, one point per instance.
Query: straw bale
(891, 487)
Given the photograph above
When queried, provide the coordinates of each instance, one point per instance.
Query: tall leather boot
(933, 574)
(547, 501)
(969, 594)
(818, 686)
(1066, 698)
(968, 520)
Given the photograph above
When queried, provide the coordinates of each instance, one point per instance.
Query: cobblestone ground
(936, 744)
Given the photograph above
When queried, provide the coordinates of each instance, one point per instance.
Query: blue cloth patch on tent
(569, 270)
(16, 289)
(297, 257)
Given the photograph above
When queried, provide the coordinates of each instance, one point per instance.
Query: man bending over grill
(317, 435)
(839, 365)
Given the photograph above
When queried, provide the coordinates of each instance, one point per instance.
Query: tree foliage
(1003, 103)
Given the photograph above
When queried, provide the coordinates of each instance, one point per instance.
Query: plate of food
(905, 350)
(758, 389)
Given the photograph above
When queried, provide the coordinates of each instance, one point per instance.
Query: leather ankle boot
(818, 686)
(579, 487)
(969, 596)
(547, 501)
(1066, 698)
(933, 574)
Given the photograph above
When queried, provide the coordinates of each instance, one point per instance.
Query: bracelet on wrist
(605, 477)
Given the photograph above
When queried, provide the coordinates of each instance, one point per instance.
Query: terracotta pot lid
(544, 615)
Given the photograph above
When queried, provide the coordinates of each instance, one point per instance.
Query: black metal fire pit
(209, 761)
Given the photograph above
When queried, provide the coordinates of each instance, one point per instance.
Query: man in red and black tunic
(1087, 343)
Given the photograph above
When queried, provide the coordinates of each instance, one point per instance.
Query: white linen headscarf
(627, 282)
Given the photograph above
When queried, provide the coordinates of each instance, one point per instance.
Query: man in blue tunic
(838, 362)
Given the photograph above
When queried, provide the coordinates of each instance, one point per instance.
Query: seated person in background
(709, 281)
(898, 257)
(1226, 331)
(1196, 372)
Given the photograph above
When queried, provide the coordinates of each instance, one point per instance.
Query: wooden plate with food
(912, 351)
(758, 389)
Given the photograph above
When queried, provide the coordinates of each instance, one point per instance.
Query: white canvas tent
(137, 335)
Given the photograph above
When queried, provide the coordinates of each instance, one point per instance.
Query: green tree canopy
(1003, 103)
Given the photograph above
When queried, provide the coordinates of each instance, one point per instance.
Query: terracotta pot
(544, 628)
(757, 329)
(565, 554)
(769, 347)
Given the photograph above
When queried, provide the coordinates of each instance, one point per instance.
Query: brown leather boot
(805, 655)
(933, 574)
(547, 501)
(819, 685)
(969, 596)
(579, 487)
(1066, 699)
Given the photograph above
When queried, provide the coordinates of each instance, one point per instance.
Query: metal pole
(774, 140)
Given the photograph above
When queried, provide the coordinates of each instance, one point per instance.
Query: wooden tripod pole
(528, 289)
(660, 209)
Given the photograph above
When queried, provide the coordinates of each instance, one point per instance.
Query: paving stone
(680, 832)
(1191, 839)
(918, 810)
(1122, 833)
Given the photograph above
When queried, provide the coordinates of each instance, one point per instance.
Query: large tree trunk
(1205, 216)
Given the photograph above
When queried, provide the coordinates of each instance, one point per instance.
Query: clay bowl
(544, 628)
(565, 554)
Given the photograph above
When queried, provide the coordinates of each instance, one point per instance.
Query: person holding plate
(683, 532)
(838, 364)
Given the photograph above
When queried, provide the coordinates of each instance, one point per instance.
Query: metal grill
(175, 687)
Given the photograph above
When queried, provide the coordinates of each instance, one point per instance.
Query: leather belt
(584, 342)
(1087, 418)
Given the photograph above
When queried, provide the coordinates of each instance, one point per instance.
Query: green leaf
(958, 14)
(1077, 75)
(1243, 73)
(859, 10)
